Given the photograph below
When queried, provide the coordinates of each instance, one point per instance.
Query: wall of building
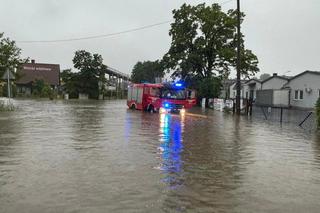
(274, 83)
(233, 92)
(305, 82)
(254, 88)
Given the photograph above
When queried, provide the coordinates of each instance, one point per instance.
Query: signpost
(8, 76)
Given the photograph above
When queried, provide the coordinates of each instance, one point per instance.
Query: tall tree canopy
(10, 54)
(92, 70)
(264, 76)
(147, 71)
(204, 43)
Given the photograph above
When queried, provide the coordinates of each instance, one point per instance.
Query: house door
(251, 94)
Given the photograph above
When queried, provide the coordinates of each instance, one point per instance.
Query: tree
(209, 87)
(147, 71)
(92, 70)
(264, 76)
(204, 44)
(70, 82)
(10, 54)
(41, 89)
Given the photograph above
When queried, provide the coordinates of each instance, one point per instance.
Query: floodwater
(97, 156)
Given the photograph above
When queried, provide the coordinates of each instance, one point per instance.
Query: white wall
(304, 82)
(281, 97)
(274, 83)
(247, 88)
(233, 92)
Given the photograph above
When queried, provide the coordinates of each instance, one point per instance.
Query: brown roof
(49, 73)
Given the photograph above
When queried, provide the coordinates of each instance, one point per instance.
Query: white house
(250, 88)
(233, 90)
(304, 89)
(274, 82)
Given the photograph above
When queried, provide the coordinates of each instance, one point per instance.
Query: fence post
(281, 113)
(233, 106)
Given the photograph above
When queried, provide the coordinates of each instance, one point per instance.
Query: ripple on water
(97, 156)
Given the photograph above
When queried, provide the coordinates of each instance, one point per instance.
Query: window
(155, 92)
(298, 94)
(173, 94)
(301, 94)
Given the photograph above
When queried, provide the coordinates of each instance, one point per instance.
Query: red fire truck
(160, 97)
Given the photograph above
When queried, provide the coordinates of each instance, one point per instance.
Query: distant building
(250, 88)
(225, 89)
(300, 91)
(233, 89)
(304, 89)
(30, 72)
(274, 82)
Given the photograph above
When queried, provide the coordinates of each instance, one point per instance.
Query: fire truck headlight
(182, 111)
(162, 110)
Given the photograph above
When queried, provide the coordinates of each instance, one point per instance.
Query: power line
(105, 35)
(96, 36)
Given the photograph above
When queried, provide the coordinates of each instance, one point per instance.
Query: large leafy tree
(70, 82)
(10, 54)
(147, 71)
(92, 71)
(204, 44)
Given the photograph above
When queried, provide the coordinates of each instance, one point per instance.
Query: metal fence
(305, 119)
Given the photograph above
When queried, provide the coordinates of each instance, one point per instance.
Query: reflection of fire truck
(160, 97)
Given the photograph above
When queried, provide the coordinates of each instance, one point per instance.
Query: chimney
(33, 61)
(275, 74)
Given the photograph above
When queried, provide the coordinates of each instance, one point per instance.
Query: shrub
(42, 90)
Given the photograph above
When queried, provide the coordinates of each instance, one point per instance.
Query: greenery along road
(202, 51)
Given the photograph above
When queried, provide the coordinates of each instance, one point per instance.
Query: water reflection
(171, 128)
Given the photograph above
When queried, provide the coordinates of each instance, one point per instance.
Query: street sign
(8, 75)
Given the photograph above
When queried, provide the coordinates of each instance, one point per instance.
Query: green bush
(42, 90)
(318, 112)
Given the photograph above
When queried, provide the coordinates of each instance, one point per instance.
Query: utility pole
(8, 82)
(238, 83)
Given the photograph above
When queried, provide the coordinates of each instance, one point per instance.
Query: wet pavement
(97, 156)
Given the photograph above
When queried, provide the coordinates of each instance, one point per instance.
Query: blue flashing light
(178, 85)
(166, 105)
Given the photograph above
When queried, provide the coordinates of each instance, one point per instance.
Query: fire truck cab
(160, 97)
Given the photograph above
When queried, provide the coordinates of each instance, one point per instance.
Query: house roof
(235, 84)
(253, 79)
(276, 76)
(49, 73)
(300, 74)
(305, 72)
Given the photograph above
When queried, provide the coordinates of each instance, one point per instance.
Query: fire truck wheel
(133, 106)
(151, 109)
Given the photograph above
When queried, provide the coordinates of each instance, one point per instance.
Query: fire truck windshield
(173, 94)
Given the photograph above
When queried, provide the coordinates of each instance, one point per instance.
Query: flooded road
(95, 156)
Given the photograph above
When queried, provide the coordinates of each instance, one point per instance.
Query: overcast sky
(284, 34)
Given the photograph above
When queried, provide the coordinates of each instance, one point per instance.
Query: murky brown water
(100, 157)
